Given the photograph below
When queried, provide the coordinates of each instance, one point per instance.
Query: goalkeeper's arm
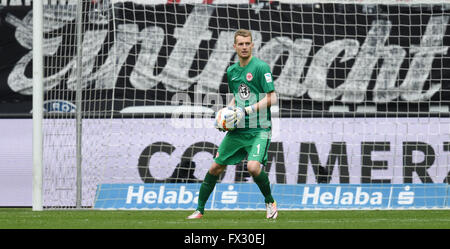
(266, 102)
(232, 102)
(263, 104)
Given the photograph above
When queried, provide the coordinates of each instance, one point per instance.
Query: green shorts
(236, 146)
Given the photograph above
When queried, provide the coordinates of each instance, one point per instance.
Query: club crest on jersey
(249, 76)
(244, 92)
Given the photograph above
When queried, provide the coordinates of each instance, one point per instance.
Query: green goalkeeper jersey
(249, 85)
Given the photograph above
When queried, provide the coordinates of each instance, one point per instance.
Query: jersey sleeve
(266, 80)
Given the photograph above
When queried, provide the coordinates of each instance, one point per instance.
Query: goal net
(131, 88)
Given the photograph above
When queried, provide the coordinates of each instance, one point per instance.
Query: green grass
(25, 218)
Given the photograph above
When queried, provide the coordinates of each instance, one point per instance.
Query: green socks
(262, 180)
(205, 190)
(207, 187)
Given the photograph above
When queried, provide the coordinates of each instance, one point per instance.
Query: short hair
(244, 33)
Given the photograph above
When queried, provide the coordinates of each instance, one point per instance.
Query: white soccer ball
(226, 119)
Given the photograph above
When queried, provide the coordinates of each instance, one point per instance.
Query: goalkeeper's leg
(206, 189)
(257, 149)
(230, 152)
(261, 179)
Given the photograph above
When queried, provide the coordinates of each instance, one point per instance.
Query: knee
(216, 169)
(254, 168)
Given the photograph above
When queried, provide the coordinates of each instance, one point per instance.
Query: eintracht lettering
(175, 74)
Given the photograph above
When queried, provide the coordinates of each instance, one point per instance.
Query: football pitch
(25, 218)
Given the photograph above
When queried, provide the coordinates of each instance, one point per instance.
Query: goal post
(123, 107)
(38, 104)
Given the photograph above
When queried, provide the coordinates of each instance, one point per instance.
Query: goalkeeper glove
(218, 127)
(241, 112)
(230, 117)
(250, 109)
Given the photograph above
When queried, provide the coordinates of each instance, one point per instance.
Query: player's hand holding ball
(226, 119)
(241, 112)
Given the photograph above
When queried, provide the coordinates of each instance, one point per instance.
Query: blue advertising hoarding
(289, 197)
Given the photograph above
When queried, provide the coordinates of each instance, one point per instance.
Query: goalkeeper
(251, 82)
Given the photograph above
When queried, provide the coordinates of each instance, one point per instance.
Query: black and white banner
(320, 54)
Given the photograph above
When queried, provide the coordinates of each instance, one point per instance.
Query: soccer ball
(226, 119)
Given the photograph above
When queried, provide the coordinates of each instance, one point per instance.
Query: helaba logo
(338, 197)
(173, 194)
(162, 196)
(356, 196)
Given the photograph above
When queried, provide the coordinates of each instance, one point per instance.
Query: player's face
(243, 46)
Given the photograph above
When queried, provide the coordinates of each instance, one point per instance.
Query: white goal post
(124, 92)
(38, 100)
